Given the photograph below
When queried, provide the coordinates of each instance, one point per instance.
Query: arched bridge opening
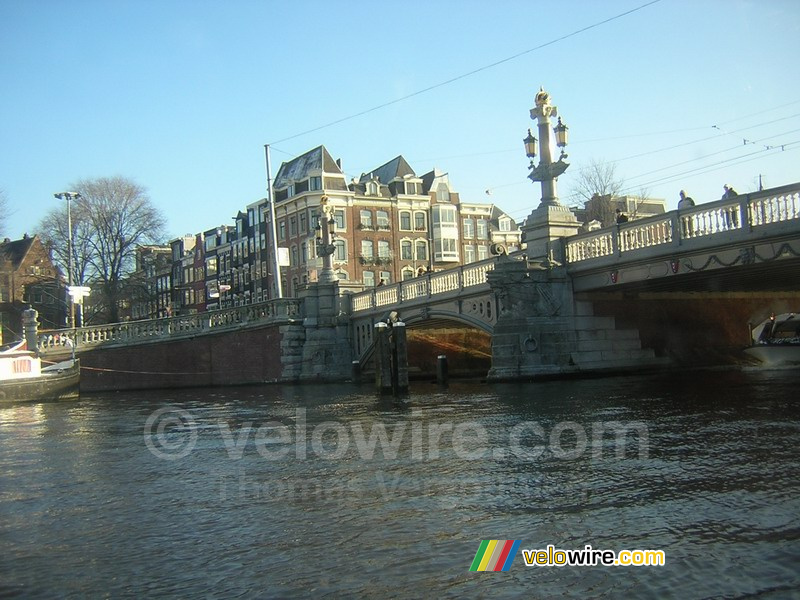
(465, 341)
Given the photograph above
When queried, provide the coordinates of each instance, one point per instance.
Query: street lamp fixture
(530, 146)
(562, 134)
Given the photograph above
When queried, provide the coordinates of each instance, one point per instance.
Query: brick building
(28, 278)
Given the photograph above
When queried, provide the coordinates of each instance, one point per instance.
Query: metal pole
(69, 269)
(69, 197)
(276, 267)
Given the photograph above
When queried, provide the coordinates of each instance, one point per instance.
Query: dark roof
(297, 169)
(397, 167)
(427, 180)
(15, 251)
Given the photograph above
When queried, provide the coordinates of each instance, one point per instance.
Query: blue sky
(181, 96)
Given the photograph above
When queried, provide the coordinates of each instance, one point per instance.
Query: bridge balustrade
(450, 280)
(744, 212)
(52, 341)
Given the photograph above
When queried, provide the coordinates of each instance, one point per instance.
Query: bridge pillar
(326, 350)
(544, 228)
(541, 330)
(30, 325)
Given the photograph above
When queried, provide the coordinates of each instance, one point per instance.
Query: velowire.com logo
(495, 555)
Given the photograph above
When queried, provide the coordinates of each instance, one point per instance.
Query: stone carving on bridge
(524, 293)
(481, 309)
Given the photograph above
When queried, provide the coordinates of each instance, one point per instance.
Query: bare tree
(4, 211)
(53, 229)
(641, 196)
(597, 185)
(112, 217)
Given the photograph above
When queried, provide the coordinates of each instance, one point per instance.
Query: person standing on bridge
(685, 203)
(729, 192)
(731, 215)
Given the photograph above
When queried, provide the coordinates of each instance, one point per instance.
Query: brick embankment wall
(230, 358)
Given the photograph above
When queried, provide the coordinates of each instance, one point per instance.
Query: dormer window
(442, 193)
(372, 188)
(315, 183)
(290, 190)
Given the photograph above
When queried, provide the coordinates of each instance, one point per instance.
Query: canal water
(327, 491)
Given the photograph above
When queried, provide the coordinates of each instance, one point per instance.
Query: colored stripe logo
(495, 555)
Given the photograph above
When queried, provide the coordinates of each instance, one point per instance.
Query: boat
(23, 379)
(776, 341)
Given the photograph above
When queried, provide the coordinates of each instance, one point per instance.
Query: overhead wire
(704, 139)
(472, 72)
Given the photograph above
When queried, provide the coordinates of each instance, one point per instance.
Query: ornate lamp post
(547, 171)
(550, 221)
(69, 197)
(325, 235)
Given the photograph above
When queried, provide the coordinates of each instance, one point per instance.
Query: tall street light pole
(276, 265)
(69, 197)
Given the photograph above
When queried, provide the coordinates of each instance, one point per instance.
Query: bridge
(565, 313)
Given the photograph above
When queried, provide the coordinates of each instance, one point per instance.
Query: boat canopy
(783, 328)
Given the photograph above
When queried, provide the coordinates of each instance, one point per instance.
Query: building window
(419, 221)
(383, 249)
(293, 258)
(442, 193)
(366, 219)
(406, 250)
(446, 249)
(405, 220)
(341, 251)
(292, 226)
(372, 189)
(282, 230)
(290, 190)
(303, 252)
(367, 249)
(483, 252)
(338, 215)
(469, 228)
(368, 278)
(383, 219)
(386, 276)
(469, 253)
(483, 229)
(211, 266)
(422, 250)
(444, 215)
(303, 222)
(505, 224)
(314, 183)
(408, 273)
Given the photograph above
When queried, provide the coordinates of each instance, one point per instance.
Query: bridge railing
(743, 213)
(57, 340)
(424, 286)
